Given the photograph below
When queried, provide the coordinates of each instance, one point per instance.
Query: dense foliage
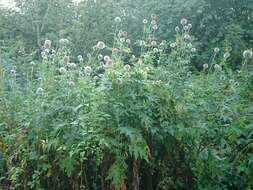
(90, 100)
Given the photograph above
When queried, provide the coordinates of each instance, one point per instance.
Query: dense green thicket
(104, 96)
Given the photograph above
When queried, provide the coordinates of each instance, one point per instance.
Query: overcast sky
(6, 3)
(9, 3)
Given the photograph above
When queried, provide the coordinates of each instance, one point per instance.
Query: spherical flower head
(217, 67)
(183, 21)
(95, 48)
(96, 78)
(100, 56)
(88, 55)
(40, 91)
(47, 51)
(127, 67)
(13, 71)
(187, 37)
(107, 58)
(186, 28)
(226, 55)
(80, 58)
(101, 45)
(205, 66)
(117, 20)
(153, 16)
(190, 26)
(142, 43)
(43, 55)
(63, 42)
(120, 34)
(72, 65)
(62, 70)
(153, 22)
(155, 50)
(122, 40)
(193, 50)
(47, 44)
(189, 45)
(163, 43)
(145, 21)
(247, 54)
(216, 50)
(231, 81)
(32, 63)
(155, 27)
(128, 41)
(153, 43)
(101, 75)
(87, 70)
(71, 83)
(177, 29)
(173, 45)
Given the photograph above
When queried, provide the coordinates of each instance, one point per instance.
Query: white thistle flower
(173, 45)
(100, 56)
(183, 21)
(72, 65)
(231, 81)
(117, 19)
(128, 41)
(226, 55)
(39, 91)
(193, 50)
(47, 44)
(155, 50)
(94, 48)
(63, 42)
(13, 71)
(87, 70)
(217, 67)
(142, 43)
(186, 28)
(122, 40)
(163, 43)
(216, 50)
(205, 66)
(145, 21)
(187, 37)
(127, 67)
(88, 55)
(153, 43)
(62, 70)
(71, 83)
(80, 58)
(43, 55)
(155, 27)
(107, 58)
(189, 45)
(153, 22)
(177, 29)
(247, 54)
(101, 45)
(47, 51)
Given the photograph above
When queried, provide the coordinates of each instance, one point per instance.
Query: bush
(116, 120)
